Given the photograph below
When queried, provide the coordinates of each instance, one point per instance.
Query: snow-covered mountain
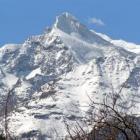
(58, 71)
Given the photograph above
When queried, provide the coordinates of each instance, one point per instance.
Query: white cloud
(96, 21)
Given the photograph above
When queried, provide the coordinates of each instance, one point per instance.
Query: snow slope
(58, 71)
(132, 47)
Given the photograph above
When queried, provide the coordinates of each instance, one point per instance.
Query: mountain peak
(67, 16)
(70, 25)
(67, 23)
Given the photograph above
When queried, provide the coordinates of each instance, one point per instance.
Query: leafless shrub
(7, 110)
(108, 122)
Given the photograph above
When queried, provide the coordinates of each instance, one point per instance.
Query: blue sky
(21, 18)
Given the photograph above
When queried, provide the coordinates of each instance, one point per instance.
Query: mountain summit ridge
(57, 72)
(70, 25)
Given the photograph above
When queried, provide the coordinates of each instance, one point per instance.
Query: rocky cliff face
(58, 71)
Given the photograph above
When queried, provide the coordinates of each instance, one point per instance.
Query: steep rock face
(57, 72)
(70, 25)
